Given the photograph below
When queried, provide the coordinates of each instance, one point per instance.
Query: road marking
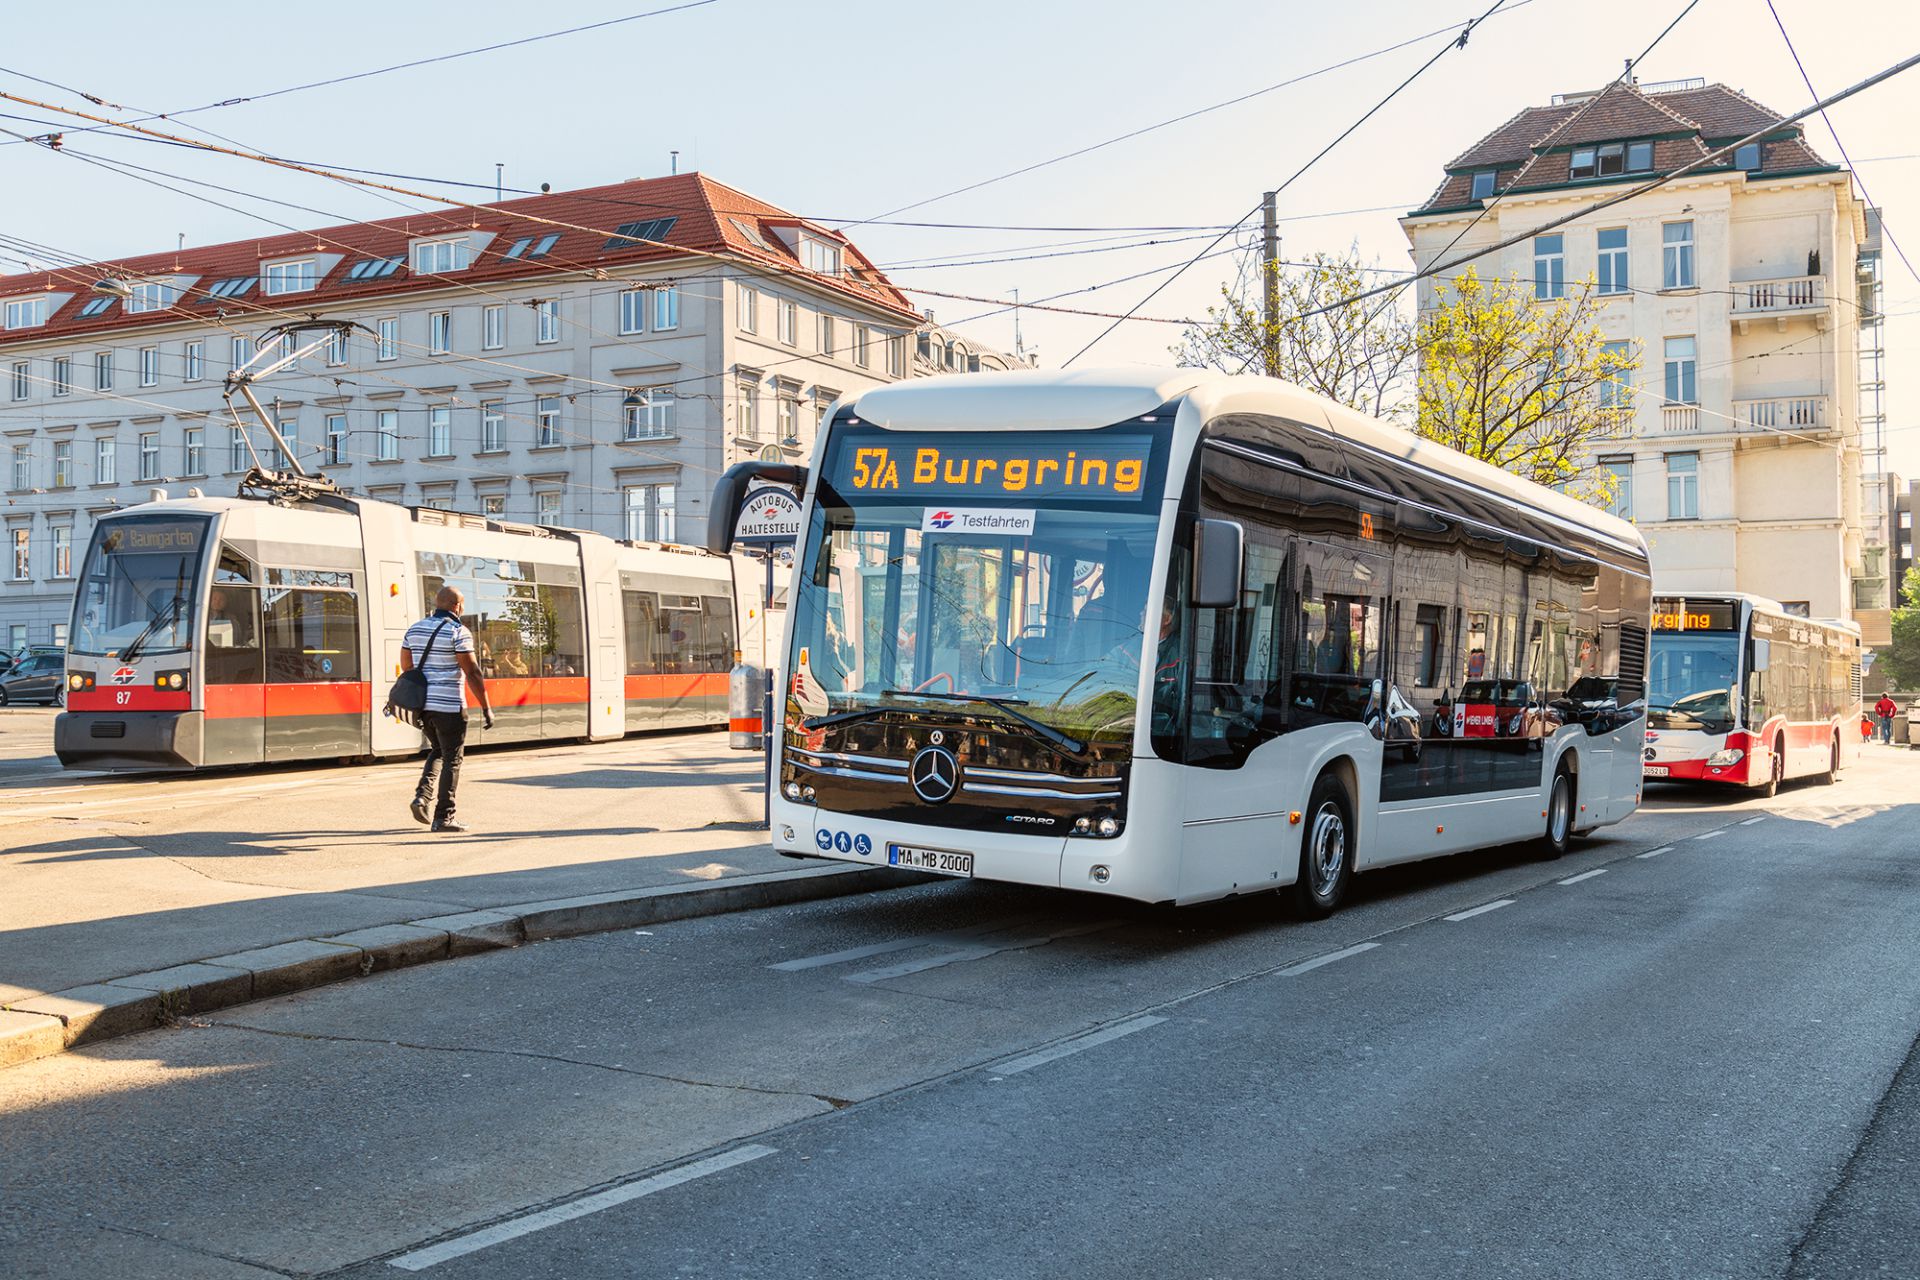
(898, 944)
(867, 977)
(1585, 875)
(1329, 958)
(473, 1242)
(1654, 853)
(1709, 835)
(1026, 1062)
(1750, 821)
(1480, 910)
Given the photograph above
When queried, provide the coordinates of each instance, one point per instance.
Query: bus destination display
(1673, 614)
(953, 466)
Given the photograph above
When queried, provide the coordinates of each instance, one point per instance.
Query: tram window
(311, 636)
(717, 631)
(233, 636)
(562, 654)
(232, 566)
(642, 610)
(680, 627)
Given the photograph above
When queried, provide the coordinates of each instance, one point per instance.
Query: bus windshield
(1691, 680)
(916, 591)
(138, 586)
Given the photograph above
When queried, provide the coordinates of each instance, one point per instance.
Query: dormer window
(820, 255)
(26, 313)
(435, 257)
(1747, 157)
(287, 277)
(1639, 157)
(1483, 184)
(151, 295)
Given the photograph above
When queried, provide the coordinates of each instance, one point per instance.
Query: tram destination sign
(768, 518)
(959, 466)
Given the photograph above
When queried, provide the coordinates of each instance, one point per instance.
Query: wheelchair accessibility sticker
(842, 842)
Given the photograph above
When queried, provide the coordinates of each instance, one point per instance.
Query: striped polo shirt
(442, 668)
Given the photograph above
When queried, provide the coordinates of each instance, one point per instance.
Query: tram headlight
(79, 681)
(170, 680)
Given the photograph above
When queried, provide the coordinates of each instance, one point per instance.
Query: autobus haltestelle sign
(768, 517)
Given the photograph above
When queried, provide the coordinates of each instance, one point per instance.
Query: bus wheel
(1832, 775)
(1559, 814)
(1774, 778)
(1326, 851)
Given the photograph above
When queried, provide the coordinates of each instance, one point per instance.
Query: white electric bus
(1175, 636)
(1742, 692)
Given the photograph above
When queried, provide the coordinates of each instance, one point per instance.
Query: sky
(869, 113)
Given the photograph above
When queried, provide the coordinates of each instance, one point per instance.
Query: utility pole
(1270, 281)
(1019, 344)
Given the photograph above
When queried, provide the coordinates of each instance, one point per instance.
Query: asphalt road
(1684, 1050)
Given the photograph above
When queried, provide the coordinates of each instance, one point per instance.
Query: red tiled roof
(704, 214)
(1719, 111)
(1513, 141)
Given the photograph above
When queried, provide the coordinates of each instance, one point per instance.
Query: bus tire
(1561, 797)
(1832, 775)
(1326, 851)
(1779, 771)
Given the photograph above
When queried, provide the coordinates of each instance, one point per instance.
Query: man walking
(1885, 709)
(442, 647)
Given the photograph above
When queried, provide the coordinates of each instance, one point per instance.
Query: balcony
(1679, 419)
(1780, 300)
(1791, 415)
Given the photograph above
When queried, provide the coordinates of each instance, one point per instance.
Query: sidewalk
(167, 895)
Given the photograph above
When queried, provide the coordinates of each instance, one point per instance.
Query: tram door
(234, 729)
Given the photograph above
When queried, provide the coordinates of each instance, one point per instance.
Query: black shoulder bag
(408, 697)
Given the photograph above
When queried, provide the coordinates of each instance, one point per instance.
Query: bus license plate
(942, 862)
(1655, 770)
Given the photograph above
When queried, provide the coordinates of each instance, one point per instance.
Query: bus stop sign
(768, 518)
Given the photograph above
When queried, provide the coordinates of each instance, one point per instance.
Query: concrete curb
(43, 1025)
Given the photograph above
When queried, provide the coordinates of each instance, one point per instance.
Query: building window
(1620, 502)
(1676, 244)
(26, 313)
(433, 257)
(633, 310)
(386, 437)
(62, 550)
(20, 379)
(1483, 184)
(1683, 486)
(440, 431)
(493, 327)
(436, 502)
(546, 507)
(862, 336)
(439, 332)
(242, 351)
(827, 336)
(1747, 157)
(789, 322)
(63, 464)
(547, 422)
(748, 418)
(337, 346)
(1682, 370)
(1615, 391)
(387, 339)
(650, 512)
(238, 455)
(196, 451)
(1549, 267)
(652, 418)
(284, 277)
(16, 636)
(62, 375)
(149, 455)
(196, 360)
(492, 427)
(546, 320)
(749, 309)
(22, 555)
(896, 356)
(1612, 243)
(22, 467)
(786, 411)
(493, 504)
(666, 307)
(149, 366)
(820, 255)
(106, 453)
(1639, 157)
(336, 439)
(103, 371)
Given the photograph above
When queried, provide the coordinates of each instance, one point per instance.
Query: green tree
(1901, 659)
(1526, 384)
(1360, 354)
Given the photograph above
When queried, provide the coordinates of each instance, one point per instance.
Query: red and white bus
(1741, 691)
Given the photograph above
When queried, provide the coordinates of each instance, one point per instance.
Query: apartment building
(591, 358)
(1741, 456)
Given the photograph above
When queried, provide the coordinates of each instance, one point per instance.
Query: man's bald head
(450, 599)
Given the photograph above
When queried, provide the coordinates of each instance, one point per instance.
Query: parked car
(8, 661)
(36, 677)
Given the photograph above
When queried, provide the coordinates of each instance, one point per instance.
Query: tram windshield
(138, 586)
(955, 569)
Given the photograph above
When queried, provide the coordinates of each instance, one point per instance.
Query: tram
(267, 627)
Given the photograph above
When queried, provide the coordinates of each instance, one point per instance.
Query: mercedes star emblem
(934, 774)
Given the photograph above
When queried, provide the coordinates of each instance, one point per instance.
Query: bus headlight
(1726, 756)
(793, 790)
(1109, 826)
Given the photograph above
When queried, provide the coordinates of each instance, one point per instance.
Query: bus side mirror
(1218, 549)
(1761, 655)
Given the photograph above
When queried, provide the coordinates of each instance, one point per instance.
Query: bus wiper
(1046, 732)
(131, 649)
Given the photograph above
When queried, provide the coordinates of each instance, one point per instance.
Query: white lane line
(980, 951)
(1480, 910)
(1329, 958)
(1654, 853)
(473, 1242)
(898, 944)
(1709, 835)
(1585, 875)
(1026, 1062)
(1750, 821)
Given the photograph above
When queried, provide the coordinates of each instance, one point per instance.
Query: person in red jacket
(1885, 709)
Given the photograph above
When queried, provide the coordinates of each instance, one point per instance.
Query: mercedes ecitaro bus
(1175, 636)
(1742, 692)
